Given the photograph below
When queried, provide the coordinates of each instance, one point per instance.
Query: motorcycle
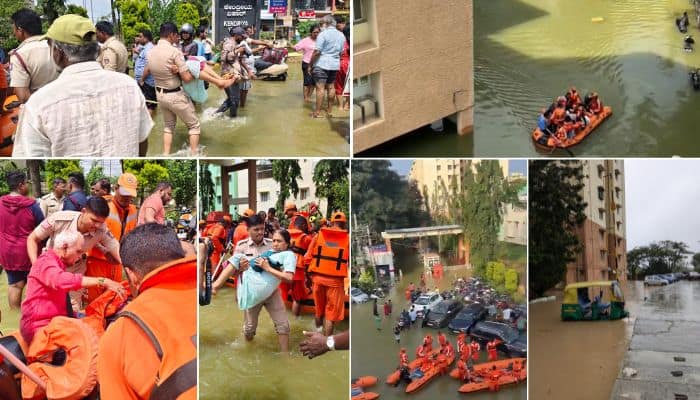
(271, 65)
(185, 231)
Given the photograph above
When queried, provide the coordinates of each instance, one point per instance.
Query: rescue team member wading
(150, 351)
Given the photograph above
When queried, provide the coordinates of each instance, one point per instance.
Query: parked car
(693, 276)
(358, 296)
(442, 313)
(655, 280)
(669, 277)
(513, 343)
(465, 319)
(426, 302)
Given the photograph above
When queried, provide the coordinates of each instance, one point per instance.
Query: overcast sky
(663, 201)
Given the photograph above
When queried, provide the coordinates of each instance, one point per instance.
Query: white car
(655, 280)
(358, 296)
(426, 302)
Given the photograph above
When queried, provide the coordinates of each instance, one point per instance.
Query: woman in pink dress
(306, 46)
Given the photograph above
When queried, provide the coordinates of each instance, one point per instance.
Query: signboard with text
(307, 14)
(233, 13)
(278, 7)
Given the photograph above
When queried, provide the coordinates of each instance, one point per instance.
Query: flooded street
(274, 123)
(376, 352)
(231, 368)
(585, 357)
(527, 52)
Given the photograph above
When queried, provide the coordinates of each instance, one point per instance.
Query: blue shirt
(140, 65)
(330, 44)
(78, 201)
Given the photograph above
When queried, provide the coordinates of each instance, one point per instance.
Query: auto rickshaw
(577, 305)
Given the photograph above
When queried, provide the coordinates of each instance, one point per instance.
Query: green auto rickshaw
(577, 304)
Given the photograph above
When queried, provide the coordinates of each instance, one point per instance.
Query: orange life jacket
(538, 134)
(330, 254)
(403, 357)
(420, 351)
(442, 340)
(449, 350)
(169, 319)
(116, 225)
(558, 115)
(299, 244)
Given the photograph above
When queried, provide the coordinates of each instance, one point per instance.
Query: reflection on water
(376, 352)
(275, 122)
(231, 368)
(426, 142)
(529, 51)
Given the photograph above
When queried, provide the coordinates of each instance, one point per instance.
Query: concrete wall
(592, 263)
(423, 51)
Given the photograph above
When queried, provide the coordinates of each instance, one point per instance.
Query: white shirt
(86, 112)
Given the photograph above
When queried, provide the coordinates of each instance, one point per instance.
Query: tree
(657, 258)
(60, 169)
(96, 173)
(331, 180)
(52, 9)
(186, 13)
(183, 176)
(148, 172)
(696, 261)
(206, 189)
(34, 172)
(555, 211)
(7, 8)
(75, 9)
(134, 17)
(161, 11)
(286, 173)
(5, 167)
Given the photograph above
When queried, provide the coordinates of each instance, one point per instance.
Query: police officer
(188, 45)
(230, 60)
(113, 54)
(171, 98)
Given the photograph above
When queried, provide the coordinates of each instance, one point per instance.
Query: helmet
(338, 216)
(187, 28)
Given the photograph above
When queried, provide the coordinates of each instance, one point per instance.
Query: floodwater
(425, 142)
(376, 352)
(231, 368)
(527, 52)
(585, 357)
(274, 123)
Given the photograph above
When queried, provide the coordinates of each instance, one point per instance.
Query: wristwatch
(330, 342)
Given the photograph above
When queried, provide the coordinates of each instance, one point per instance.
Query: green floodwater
(231, 368)
(274, 123)
(376, 352)
(527, 52)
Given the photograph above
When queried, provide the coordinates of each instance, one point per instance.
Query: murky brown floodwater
(274, 122)
(376, 352)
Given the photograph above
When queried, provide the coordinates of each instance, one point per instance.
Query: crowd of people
(68, 249)
(61, 116)
(567, 116)
(273, 261)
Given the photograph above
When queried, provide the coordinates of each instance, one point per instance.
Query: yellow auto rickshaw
(577, 304)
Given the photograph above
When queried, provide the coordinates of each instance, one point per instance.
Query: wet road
(376, 352)
(527, 52)
(274, 123)
(230, 368)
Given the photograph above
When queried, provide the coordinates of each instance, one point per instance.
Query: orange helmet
(338, 216)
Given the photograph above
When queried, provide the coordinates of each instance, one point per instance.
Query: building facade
(603, 233)
(413, 64)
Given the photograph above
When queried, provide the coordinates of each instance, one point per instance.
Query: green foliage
(331, 179)
(186, 13)
(60, 169)
(206, 189)
(5, 167)
(695, 261)
(499, 274)
(658, 258)
(161, 11)
(286, 173)
(555, 211)
(148, 172)
(7, 8)
(134, 14)
(511, 280)
(96, 173)
(51, 9)
(488, 274)
(75, 9)
(304, 28)
(367, 282)
(183, 177)
(267, 35)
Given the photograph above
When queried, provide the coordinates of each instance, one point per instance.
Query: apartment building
(413, 64)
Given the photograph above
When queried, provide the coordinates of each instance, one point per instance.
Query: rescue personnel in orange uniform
(403, 358)
(300, 240)
(241, 231)
(150, 351)
(291, 212)
(464, 373)
(491, 348)
(121, 220)
(442, 339)
(217, 234)
(493, 377)
(475, 348)
(327, 260)
(461, 343)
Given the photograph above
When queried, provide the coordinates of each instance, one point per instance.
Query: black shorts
(323, 76)
(308, 79)
(16, 276)
(149, 92)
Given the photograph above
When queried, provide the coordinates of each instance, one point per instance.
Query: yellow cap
(127, 184)
(72, 29)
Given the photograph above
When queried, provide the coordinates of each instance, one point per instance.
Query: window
(602, 234)
(438, 168)
(602, 254)
(304, 194)
(617, 192)
(601, 193)
(359, 12)
(367, 99)
(449, 167)
(617, 173)
(600, 170)
(601, 213)
(264, 197)
(619, 225)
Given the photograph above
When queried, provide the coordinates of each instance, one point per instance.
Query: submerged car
(467, 318)
(426, 302)
(442, 313)
(655, 280)
(513, 343)
(358, 296)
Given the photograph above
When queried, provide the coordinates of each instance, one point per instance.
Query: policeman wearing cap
(172, 100)
(230, 63)
(69, 118)
(113, 54)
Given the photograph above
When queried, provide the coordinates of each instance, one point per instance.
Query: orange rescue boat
(549, 144)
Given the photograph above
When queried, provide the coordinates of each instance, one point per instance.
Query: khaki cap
(71, 29)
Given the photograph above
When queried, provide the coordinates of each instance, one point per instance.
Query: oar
(22, 367)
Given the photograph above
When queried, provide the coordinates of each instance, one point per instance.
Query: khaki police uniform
(171, 97)
(113, 55)
(49, 204)
(31, 65)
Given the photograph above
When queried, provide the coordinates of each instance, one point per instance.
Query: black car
(442, 313)
(512, 343)
(466, 318)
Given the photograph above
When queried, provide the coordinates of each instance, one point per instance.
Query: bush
(366, 281)
(186, 13)
(304, 27)
(511, 280)
(499, 272)
(268, 35)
